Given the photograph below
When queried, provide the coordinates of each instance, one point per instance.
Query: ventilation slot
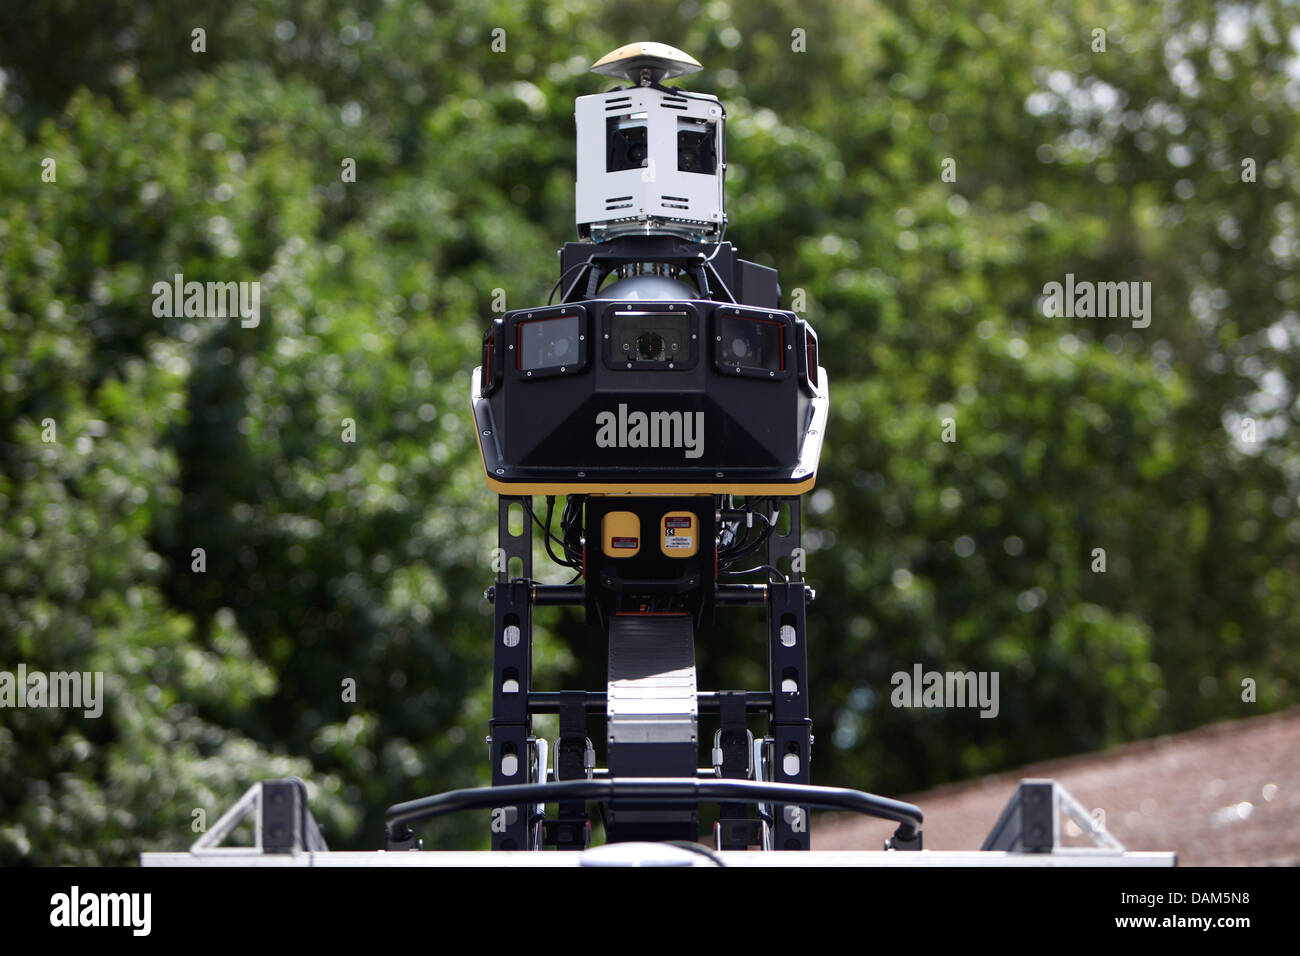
(675, 202)
(618, 202)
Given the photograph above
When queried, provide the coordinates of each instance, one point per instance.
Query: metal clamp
(717, 754)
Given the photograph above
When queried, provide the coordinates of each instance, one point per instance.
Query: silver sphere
(634, 288)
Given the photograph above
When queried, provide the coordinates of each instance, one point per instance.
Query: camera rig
(680, 413)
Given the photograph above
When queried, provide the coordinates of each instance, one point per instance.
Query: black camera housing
(715, 394)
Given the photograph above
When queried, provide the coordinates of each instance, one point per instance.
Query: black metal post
(790, 726)
(512, 669)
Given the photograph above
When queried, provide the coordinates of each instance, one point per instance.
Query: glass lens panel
(650, 337)
(547, 343)
(750, 343)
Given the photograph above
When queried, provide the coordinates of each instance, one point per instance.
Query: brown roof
(1225, 794)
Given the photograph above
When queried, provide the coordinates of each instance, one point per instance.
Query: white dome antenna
(644, 63)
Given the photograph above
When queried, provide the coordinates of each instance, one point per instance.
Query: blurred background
(329, 561)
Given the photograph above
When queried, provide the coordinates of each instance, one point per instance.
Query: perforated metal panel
(657, 197)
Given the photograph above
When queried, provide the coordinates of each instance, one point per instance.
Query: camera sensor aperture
(627, 147)
(549, 343)
(659, 337)
(696, 150)
(750, 344)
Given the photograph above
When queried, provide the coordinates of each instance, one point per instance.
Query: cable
(728, 556)
(718, 247)
(571, 560)
(565, 274)
(571, 527)
(762, 567)
(699, 848)
(669, 791)
(546, 529)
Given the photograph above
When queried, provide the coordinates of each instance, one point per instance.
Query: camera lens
(548, 343)
(649, 347)
(649, 339)
(757, 343)
(627, 146)
(695, 150)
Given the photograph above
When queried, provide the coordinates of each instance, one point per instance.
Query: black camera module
(750, 343)
(659, 337)
(628, 147)
(696, 152)
(549, 343)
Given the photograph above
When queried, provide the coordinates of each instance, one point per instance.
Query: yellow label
(679, 534)
(620, 533)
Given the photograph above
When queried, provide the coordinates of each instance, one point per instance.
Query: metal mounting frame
(1031, 821)
(790, 726)
(280, 802)
(513, 749)
(510, 745)
(282, 822)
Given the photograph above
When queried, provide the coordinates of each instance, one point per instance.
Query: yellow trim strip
(647, 488)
